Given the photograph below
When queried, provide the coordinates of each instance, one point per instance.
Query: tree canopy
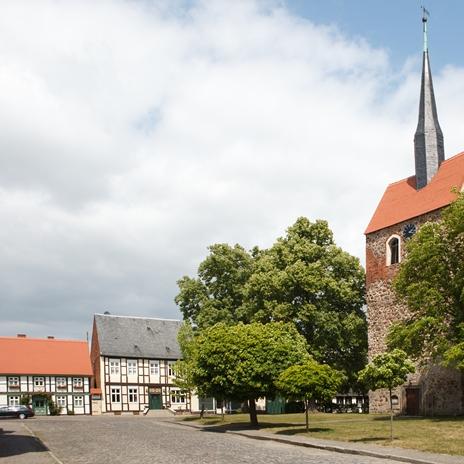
(217, 294)
(243, 361)
(304, 278)
(431, 282)
(309, 381)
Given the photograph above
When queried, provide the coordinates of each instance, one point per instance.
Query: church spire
(429, 150)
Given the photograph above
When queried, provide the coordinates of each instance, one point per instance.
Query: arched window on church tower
(393, 250)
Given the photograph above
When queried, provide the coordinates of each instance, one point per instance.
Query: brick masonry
(439, 390)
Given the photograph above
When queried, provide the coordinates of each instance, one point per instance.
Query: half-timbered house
(38, 371)
(132, 359)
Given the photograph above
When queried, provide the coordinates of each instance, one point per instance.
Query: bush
(25, 400)
(53, 408)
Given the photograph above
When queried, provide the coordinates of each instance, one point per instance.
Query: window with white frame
(78, 382)
(61, 401)
(61, 382)
(39, 382)
(78, 401)
(115, 395)
(177, 396)
(393, 250)
(114, 366)
(13, 401)
(154, 367)
(13, 382)
(170, 369)
(132, 395)
(131, 367)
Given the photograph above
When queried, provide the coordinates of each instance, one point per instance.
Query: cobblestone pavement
(137, 439)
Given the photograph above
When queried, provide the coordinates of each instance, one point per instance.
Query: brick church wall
(439, 388)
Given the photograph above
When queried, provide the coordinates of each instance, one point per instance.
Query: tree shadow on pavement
(12, 444)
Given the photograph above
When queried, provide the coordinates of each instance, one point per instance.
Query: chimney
(21, 335)
(50, 337)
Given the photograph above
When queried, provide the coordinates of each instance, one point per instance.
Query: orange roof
(39, 356)
(95, 391)
(401, 201)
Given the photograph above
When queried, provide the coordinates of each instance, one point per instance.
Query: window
(132, 395)
(393, 250)
(131, 367)
(13, 401)
(61, 382)
(154, 368)
(78, 401)
(114, 367)
(115, 395)
(13, 382)
(78, 382)
(61, 401)
(39, 383)
(170, 369)
(177, 396)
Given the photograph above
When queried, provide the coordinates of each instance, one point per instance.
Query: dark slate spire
(429, 150)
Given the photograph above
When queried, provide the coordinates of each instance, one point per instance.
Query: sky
(133, 134)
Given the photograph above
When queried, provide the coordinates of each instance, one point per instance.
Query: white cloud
(133, 135)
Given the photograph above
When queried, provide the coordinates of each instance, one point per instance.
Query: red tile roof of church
(401, 201)
(42, 356)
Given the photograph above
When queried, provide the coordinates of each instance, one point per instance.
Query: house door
(155, 401)
(40, 406)
(412, 401)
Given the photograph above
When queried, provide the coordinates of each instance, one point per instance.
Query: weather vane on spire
(425, 17)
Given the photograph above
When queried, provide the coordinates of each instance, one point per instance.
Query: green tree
(431, 282)
(306, 279)
(387, 370)
(309, 381)
(243, 361)
(183, 367)
(218, 292)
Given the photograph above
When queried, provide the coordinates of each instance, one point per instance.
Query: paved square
(139, 440)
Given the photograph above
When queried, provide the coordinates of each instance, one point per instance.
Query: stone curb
(339, 448)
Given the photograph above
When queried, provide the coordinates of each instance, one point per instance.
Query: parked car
(21, 412)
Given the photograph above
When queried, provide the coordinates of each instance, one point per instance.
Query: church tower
(429, 151)
(405, 206)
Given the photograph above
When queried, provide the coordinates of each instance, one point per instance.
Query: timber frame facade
(71, 394)
(133, 384)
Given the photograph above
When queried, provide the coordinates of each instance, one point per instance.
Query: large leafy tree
(217, 294)
(309, 381)
(387, 370)
(431, 282)
(243, 361)
(306, 279)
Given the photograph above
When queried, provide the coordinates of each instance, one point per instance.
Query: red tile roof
(38, 356)
(401, 201)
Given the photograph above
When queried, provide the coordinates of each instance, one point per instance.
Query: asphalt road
(140, 440)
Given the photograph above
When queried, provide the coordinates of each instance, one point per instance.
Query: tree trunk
(253, 415)
(306, 402)
(391, 416)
